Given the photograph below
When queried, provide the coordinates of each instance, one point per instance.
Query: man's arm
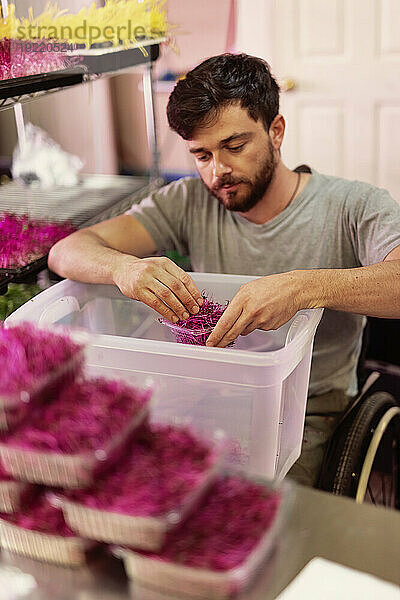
(92, 255)
(373, 291)
(269, 302)
(113, 252)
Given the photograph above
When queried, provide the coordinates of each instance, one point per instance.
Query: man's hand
(159, 283)
(265, 303)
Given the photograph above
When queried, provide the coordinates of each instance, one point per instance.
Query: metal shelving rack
(94, 63)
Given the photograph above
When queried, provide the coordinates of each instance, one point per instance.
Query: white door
(343, 56)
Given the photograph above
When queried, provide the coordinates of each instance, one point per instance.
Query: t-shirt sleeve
(374, 220)
(164, 214)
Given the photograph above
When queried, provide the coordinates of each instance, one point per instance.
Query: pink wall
(202, 32)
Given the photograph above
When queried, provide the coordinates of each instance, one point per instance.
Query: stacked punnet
(69, 429)
(219, 549)
(35, 362)
(165, 472)
(158, 493)
(67, 441)
(210, 540)
(38, 529)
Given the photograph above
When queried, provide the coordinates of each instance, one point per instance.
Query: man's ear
(277, 131)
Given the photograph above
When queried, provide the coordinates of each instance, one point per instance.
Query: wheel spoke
(383, 487)
(396, 473)
(394, 476)
(370, 494)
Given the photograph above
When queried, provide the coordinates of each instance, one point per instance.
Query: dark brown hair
(217, 82)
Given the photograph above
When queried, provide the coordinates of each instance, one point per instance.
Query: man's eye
(203, 157)
(236, 148)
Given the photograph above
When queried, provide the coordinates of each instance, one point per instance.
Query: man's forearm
(83, 256)
(373, 291)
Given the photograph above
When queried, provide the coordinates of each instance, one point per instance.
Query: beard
(243, 202)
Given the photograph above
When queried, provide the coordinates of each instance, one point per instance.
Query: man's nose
(220, 168)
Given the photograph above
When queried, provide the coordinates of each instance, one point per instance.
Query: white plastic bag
(40, 161)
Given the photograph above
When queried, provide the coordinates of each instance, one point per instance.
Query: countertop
(364, 537)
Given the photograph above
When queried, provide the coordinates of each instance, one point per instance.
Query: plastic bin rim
(274, 357)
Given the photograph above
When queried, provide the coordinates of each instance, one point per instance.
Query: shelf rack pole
(151, 126)
(4, 8)
(19, 121)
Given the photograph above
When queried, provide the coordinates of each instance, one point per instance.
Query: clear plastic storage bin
(255, 391)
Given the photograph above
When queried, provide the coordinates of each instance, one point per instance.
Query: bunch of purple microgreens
(28, 354)
(83, 417)
(210, 540)
(162, 466)
(197, 328)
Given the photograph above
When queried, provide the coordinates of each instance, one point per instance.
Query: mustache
(227, 181)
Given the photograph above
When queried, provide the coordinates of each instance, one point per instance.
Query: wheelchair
(362, 460)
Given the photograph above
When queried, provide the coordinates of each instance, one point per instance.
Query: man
(313, 240)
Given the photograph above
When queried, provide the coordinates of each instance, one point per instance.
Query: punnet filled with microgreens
(38, 530)
(33, 357)
(217, 551)
(62, 442)
(197, 328)
(83, 417)
(160, 469)
(165, 471)
(210, 540)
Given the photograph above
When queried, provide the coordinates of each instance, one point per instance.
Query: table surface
(359, 536)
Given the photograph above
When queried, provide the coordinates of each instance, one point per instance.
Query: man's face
(235, 158)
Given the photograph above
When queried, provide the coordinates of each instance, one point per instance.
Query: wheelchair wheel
(367, 464)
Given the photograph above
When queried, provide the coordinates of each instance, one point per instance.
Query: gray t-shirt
(333, 223)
